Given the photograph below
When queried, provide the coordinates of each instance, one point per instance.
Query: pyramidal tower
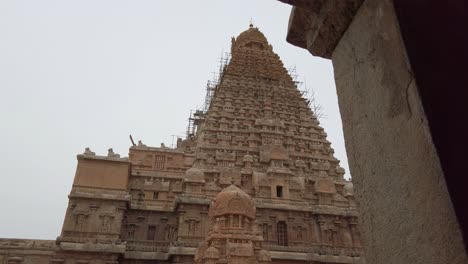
(255, 181)
(260, 135)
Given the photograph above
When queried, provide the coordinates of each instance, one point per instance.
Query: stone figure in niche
(313, 232)
(191, 227)
(223, 221)
(106, 223)
(277, 163)
(173, 233)
(299, 231)
(211, 160)
(243, 180)
(166, 233)
(89, 152)
(169, 232)
(356, 236)
(327, 237)
(346, 238)
(265, 231)
(325, 165)
(80, 221)
(131, 231)
(335, 238)
(112, 154)
(202, 161)
(141, 196)
(246, 223)
(255, 159)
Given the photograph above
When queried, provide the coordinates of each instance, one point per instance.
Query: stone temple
(255, 181)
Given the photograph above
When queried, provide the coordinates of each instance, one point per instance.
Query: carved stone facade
(257, 182)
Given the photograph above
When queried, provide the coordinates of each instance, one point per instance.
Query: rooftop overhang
(317, 25)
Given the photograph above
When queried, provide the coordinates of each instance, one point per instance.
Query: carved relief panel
(149, 225)
(92, 219)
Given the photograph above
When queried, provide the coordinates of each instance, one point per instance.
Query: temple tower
(260, 134)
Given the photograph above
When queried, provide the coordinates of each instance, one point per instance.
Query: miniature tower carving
(234, 237)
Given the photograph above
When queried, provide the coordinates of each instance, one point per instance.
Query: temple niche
(254, 181)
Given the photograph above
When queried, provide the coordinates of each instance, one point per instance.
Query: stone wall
(407, 215)
(406, 212)
(26, 251)
(33, 251)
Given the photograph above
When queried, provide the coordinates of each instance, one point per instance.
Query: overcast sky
(76, 74)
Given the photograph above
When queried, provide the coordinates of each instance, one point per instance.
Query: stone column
(406, 212)
(318, 229)
(182, 230)
(204, 225)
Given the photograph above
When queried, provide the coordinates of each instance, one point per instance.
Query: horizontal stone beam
(317, 25)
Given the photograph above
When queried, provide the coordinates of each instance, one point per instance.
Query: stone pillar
(203, 223)
(406, 212)
(182, 230)
(355, 237)
(319, 222)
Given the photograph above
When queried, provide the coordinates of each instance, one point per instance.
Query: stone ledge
(182, 250)
(18, 243)
(203, 200)
(157, 149)
(146, 255)
(99, 193)
(27, 252)
(316, 209)
(318, 25)
(314, 257)
(190, 251)
(102, 158)
(168, 207)
(92, 247)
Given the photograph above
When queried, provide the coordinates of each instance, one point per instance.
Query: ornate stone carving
(232, 213)
(232, 200)
(111, 154)
(89, 152)
(106, 222)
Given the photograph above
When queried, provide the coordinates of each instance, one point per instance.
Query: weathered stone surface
(407, 216)
(318, 25)
(109, 172)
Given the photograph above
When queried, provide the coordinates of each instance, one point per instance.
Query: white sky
(85, 73)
